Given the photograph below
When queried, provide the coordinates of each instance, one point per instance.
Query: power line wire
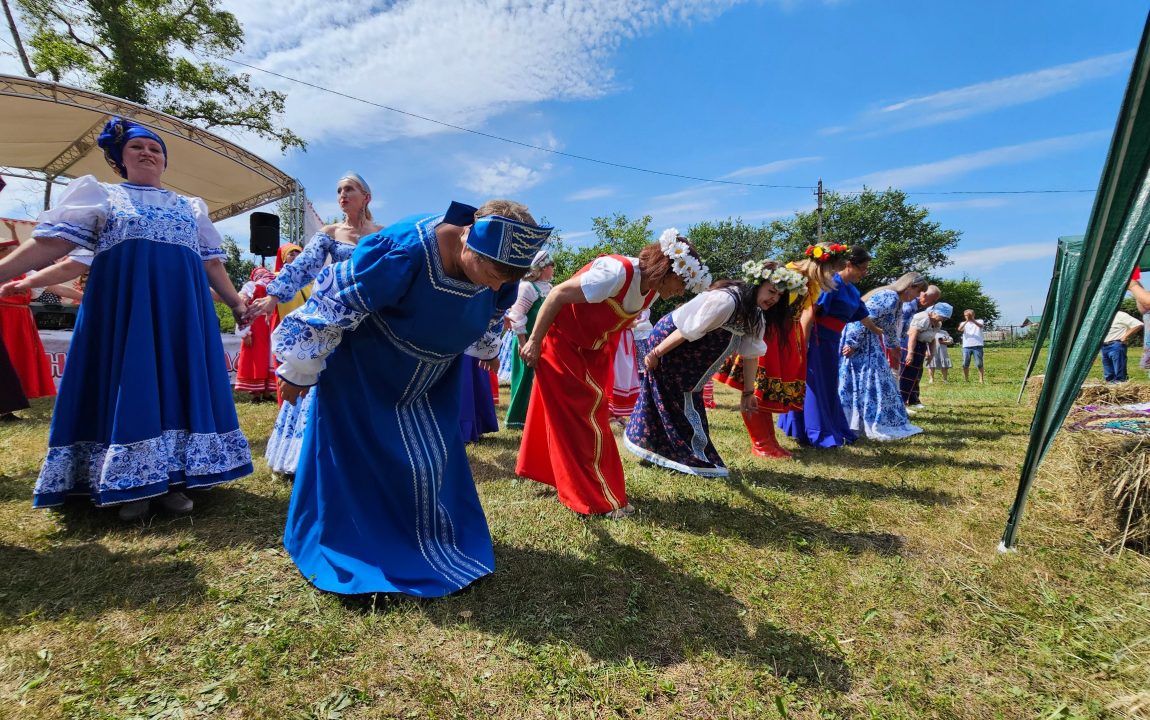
(609, 163)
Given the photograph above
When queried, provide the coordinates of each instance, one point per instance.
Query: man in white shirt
(1122, 329)
(972, 344)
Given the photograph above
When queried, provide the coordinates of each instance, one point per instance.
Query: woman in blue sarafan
(145, 405)
(868, 388)
(384, 500)
(333, 243)
(821, 422)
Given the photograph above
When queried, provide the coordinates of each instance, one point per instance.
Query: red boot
(761, 428)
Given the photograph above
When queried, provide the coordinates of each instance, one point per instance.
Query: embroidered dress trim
(440, 280)
(137, 469)
(408, 348)
(82, 236)
(655, 459)
(597, 461)
(427, 455)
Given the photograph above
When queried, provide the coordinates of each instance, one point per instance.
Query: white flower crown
(755, 271)
(695, 274)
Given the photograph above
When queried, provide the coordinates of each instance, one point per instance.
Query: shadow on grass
(88, 580)
(884, 459)
(763, 526)
(224, 517)
(835, 487)
(622, 604)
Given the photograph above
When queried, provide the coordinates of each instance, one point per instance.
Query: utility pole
(819, 230)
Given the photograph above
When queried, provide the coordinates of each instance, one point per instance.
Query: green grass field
(862, 582)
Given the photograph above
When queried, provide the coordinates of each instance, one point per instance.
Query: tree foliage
(148, 52)
(239, 269)
(967, 294)
(898, 234)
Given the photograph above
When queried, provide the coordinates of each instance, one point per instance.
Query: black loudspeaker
(265, 234)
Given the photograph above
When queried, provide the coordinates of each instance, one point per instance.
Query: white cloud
(23, 199)
(942, 170)
(770, 168)
(460, 62)
(591, 193)
(1013, 90)
(958, 103)
(992, 257)
(500, 178)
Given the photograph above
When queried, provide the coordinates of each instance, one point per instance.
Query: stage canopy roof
(51, 129)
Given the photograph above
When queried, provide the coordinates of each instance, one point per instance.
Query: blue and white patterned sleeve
(487, 347)
(207, 235)
(885, 310)
(296, 275)
(853, 334)
(378, 275)
(79, 214)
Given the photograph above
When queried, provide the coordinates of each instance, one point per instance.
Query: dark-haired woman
(145, 406)
(821, 422)
(669, 426)
(567, 441)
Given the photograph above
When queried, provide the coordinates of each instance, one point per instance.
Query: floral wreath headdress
(821, 254)
(785, 279)
(695, 274)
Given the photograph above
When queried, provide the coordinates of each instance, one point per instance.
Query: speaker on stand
(265, 234)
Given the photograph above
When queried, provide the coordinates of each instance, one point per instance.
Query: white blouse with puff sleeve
(709, 311)
(98, 216)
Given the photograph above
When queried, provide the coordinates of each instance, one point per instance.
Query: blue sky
(930, 97)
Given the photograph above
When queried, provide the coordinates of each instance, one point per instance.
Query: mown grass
(855, 583)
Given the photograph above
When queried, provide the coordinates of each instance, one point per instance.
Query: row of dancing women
(369, 372)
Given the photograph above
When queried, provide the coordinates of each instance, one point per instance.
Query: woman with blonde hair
(567, 441)
(781, 380)
(290, 289)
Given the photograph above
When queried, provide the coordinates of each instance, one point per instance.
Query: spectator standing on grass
(1123, 327)
(972, 344)
(1142, 299)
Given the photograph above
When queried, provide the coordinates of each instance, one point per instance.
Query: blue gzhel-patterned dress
(282, 452)
(383, 499)
(145, 403)
(868, 388)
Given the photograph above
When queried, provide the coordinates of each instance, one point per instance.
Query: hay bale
(1111, 489)
(1126, 393)
(1033, 388)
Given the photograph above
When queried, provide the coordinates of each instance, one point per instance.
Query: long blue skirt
(145, 403)
(383, 499)
(821, 422)
(477, 404)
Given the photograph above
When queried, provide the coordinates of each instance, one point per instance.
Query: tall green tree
(148, 52)
(614, 235)
(727, 244)
(899, 235)
(239, 269)
(963, 294)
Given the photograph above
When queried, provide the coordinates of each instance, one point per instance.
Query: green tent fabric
(1115, 236)
(1057, 299)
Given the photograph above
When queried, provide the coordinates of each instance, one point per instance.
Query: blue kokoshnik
(117, 132)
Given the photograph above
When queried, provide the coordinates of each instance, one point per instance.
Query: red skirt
(781, 379)
(22, 341)
(567, 440)
(254, 371)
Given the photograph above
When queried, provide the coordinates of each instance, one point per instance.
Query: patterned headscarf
(117, 132)
(283, 252)
(262, 276)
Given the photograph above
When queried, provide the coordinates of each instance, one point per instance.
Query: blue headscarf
(117, 132)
